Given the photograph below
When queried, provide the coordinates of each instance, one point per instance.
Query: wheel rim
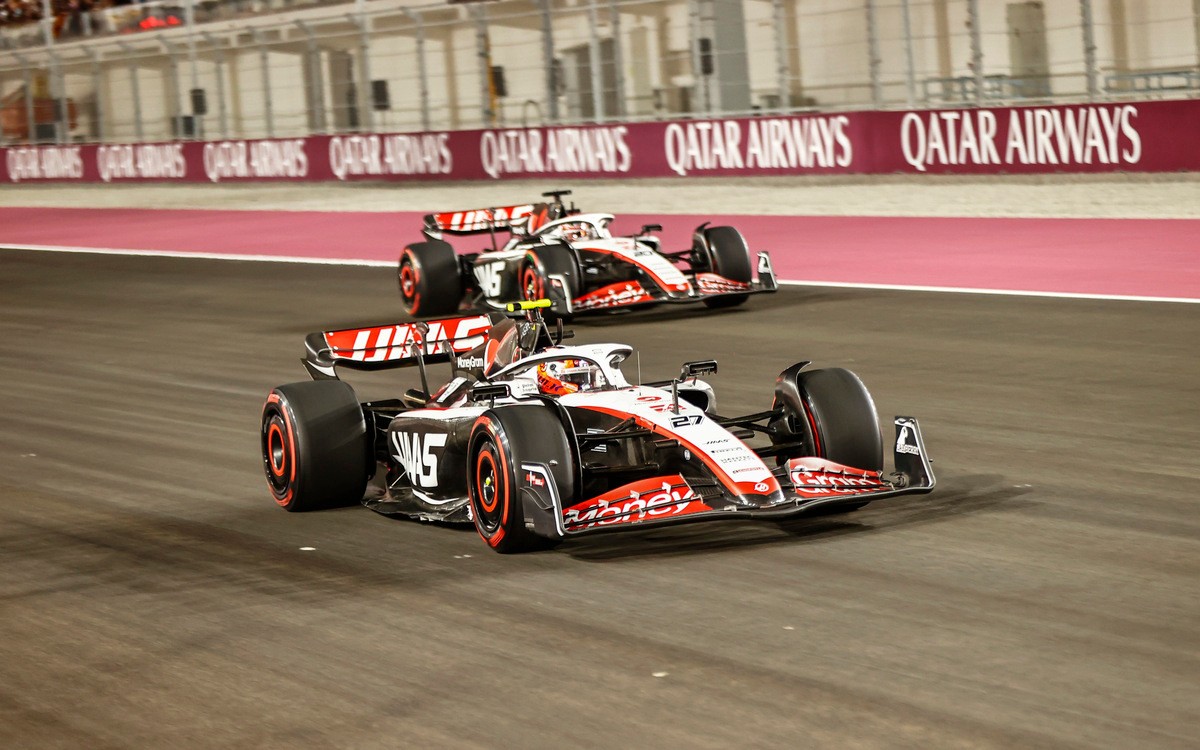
(531, 284)
(278, 446)
(409, 280)
(489, 490)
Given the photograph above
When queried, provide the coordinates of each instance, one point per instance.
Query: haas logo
(415, 453)
(906, 442)
(489, 275)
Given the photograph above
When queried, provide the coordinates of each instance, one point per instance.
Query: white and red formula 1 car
(535, 442)
(558, 253)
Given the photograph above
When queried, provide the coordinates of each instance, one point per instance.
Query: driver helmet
(575, 231)
(558, 378)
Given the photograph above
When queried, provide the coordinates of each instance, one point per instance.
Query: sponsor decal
(906, 442)
(470, 363)
(415, 452)
(818, 478)
(44, 163)
(233, 160)
(711, 283)
(483, 218)
(772, 143)
(761, 486)
(385, 343)
(489, 276)
(1104, 134)
(534, 480)
(147, 161)
(381, 155)
(600, 149)
(613, 295)
(657, 498)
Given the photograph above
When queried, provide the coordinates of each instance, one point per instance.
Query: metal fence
(273, 68)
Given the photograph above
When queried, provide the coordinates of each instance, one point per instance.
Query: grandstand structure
(188, 69)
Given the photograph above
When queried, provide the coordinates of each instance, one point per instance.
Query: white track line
(389, 264)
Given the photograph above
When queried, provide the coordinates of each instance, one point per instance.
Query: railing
(259, 68)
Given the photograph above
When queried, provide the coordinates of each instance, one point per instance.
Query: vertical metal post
(268, 110)
(190, 20)
(618, 61)
(910, 70)
(700, 88)
(485, 68)
(365, 104)
(1196, 24)
(315, 80)
(976, 48)
(98, 87)
(57, 89)
(548, 61)
(138, 127)
(219, 54)
(873, 55)
(422, 66)
(173, 70)
(1089, 47)
(594, 62)
(783, 74)
(27, 73)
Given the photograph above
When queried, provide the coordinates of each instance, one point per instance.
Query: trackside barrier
(1142, 137)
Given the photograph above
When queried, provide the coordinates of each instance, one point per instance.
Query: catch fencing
(280, 69)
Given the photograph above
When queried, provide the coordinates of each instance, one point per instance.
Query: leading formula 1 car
(557, 252)
(535, 441)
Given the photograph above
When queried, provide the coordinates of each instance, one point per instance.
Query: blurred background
(103, 71)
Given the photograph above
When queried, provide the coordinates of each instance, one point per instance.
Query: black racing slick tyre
(500, 439)
(841, 421)
(537, 270)
(723, 251)
(836, 416)
(429, 278)
(314, 445)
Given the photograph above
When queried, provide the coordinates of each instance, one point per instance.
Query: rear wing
(389, 346)
(478, 220)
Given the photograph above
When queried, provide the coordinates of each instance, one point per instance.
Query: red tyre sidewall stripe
(496, 538)
(416, 281)
(290, 446)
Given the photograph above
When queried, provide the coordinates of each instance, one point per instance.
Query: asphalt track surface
(151, 594)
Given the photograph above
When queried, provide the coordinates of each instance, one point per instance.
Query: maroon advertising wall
(1142, 137)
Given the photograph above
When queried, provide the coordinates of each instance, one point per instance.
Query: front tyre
(499, 441)
(833, 414)
(550, 272)
(429, 279)
(723, 251)
(314, 446)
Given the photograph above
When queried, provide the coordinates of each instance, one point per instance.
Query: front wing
(808, 484)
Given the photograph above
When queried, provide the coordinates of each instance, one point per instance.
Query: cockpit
(564, 370)
(577, 228)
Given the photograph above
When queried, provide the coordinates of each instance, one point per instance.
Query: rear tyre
(723, 251)
(837, 419)
(314, 446)
(429, 279)
(536, 272)
(499, 440)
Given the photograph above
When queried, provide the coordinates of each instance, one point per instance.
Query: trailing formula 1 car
(534, 441)
(571, 258)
